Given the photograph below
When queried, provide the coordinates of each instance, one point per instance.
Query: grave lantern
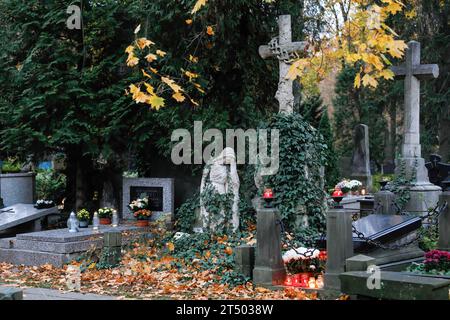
(337, 198)
(268, 197)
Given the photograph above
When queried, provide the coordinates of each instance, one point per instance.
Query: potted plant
(344, 186)
(355, 185)
(105, 215)
(83, 217)
(141, 212)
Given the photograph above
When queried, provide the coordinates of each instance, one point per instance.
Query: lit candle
(363, 192)
(319, 282)
(268, 194)
(312, 283)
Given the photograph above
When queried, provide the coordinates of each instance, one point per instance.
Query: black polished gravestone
(438, 171)
(396, 233)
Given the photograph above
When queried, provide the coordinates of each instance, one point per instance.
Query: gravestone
(160, 192)
(423, 194)
(17, 188)
(438, 171)
(360, 165)
(58, 247)
(269, 267)
(444, 219)
(339, 245)
(20, 214)
(284, 50)
(391, 231)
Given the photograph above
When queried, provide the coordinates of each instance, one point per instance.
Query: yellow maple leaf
(198, 5)
(153, 70)
(189, 21)
(145, 74)
(195, 103)
(129, 49)
(178, 96)
(175, 87)
(193, 59)
(229, 251)
(132, 60)
(149, 88)
(387, 74)
(191, 75)
(368, 80)
(151, 57)
(210, 30)
(156, 102)
(357, 82)
(161, 53)
(143, 43)
(170, 246)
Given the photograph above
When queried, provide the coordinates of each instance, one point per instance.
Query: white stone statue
(221, 173)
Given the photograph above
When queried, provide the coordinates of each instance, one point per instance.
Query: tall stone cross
(413, 72)
(423, 194)
(284, 50)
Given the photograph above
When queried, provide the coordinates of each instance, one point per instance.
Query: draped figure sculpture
(220, 177)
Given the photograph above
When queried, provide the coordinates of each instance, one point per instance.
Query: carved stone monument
(285, 51)
(221, 174)
(361, 156)
(423, 194)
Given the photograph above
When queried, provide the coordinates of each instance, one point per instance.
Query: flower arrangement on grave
(305, 267)
(349, 185)
(44, 204)
(436, 262)
(141, 211)
(83, 217)
(105, 215)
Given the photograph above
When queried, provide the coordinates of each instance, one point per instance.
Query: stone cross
(423, 193)
(284, 50)
(413, 72)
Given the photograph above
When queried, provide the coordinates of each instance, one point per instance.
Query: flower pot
(105, 221)
(142, 223)
(84, 224)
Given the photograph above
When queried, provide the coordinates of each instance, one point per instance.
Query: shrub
(50, 185)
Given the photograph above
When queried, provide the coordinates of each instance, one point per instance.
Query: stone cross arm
(266, 52)
(421, 72)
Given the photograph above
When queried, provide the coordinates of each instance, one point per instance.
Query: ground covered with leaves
(197, 266)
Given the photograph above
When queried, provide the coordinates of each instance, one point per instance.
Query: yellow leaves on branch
(364, 40)
(150, 73)
(198, 5)
(209, 30)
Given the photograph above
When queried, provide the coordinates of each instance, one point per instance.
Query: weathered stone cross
(284, 50)
(413, 72)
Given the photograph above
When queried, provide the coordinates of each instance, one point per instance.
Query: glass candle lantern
(95, 222)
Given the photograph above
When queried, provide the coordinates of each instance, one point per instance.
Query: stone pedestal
(339, 245)
(269, 266)
(444, 222)
(384, 199)
(245, 260)
(112, 248)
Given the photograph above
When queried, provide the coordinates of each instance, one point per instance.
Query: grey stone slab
(49, 294)
(33, 258)
(245, 259)
(143, 187)
(10, 293)
(63, 235)
(18, 188)
(395, 286)
(57, 247)
(7, 243)
(22, 213)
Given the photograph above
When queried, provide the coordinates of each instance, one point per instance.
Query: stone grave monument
(360, 165)
(160, 192)
(423, 193)
(438, 171)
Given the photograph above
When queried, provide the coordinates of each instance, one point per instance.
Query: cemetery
(109, 191)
